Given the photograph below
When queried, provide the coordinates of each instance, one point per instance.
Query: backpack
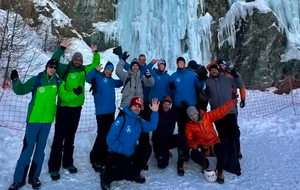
(129, 80)
(38, 83)
(122, 114)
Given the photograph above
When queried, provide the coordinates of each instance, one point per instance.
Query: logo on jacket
(178, 79)
(128, 129)
(105, 80)
(117, 122)
(73, 76)
(42, 89)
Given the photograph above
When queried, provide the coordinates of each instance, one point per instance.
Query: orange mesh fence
(262, 100)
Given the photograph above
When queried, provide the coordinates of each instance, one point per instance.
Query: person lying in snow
(126, 159)
(203, 139)
(40, 116)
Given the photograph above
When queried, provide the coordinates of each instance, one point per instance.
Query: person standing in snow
(201, 73)
(203, 139)
(144, 70)
(160, 89)
(183, 85)
(40, 116)
(104, 98)
(218, 91)
(68, 113)
(164, 139)
(127, 159)
(228, 70)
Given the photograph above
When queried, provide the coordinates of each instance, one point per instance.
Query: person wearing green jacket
(68, 113)
(40, 116)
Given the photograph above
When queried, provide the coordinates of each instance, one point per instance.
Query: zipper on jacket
(203, 133)
(217, 88)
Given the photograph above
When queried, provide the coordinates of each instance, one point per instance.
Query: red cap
(135, 101)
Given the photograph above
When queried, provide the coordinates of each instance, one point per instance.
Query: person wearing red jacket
(203, 139)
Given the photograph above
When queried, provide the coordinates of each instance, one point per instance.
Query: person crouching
(203, 139)
(126, 159)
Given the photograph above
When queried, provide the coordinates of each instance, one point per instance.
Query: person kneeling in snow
(41, 113)
(125, 159)
(203, 139)
(164, 139)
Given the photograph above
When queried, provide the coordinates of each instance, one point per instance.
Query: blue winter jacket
(161, 86)
(143, 69)
(185, 82)
(105, 97)
(124, 141)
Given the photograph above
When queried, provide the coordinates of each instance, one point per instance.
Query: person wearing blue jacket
(103, 86)
(127, 159)
(183, 85)
(162, 78)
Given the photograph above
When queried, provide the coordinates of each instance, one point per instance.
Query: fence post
(292, 93)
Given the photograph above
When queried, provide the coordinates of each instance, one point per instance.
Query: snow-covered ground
(270, 147)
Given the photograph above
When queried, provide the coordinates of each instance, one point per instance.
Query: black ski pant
(228, 129)
(121, 167)
(66, 124)
(144, 139)
(162, 144)
(181, 120)
(100, 148)
(218, 150)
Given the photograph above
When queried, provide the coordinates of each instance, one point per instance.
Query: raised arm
(221, 111)
(21, 89)
(119, 70)
(91, 75)
(151, 125)
(118, 83)
(96, 59)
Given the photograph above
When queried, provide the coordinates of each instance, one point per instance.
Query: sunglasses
(52, 67)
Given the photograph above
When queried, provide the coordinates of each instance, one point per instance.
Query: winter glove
(14, 75)
(201, 73)
(148, 74)
(242, 103)
(234, 95)
(172, 85)
(234, 73)
(117, 51)
(78, 90)
(125, 56)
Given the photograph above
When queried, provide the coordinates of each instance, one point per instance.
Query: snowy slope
(270, 148)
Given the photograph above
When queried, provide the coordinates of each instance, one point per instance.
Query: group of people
(152, 100)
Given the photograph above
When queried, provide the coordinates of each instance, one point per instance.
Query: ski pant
(228, 129)
(144, 139)
(218, 150)
(121, 167)
(100, 148)
(36, 135)
(162, 144)
(66, 123)
(181, 120)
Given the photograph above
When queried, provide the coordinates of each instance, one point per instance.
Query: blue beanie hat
(109, 65)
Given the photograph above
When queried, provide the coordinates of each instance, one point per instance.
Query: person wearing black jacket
(164, 139)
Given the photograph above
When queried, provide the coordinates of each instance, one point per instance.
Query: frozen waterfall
(164, 29)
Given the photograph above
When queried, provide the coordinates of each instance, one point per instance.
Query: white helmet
(210, 175)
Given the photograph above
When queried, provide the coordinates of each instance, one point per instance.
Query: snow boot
(220, 178)
(54, 176)
(180, 170)
(139, 179)
(72, 169)
(35, 183)
(97, 167)
(16, 186)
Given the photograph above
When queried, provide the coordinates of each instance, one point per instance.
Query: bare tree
(4, 32)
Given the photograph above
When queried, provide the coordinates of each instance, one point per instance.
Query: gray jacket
(134, 87)
(220, 90)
